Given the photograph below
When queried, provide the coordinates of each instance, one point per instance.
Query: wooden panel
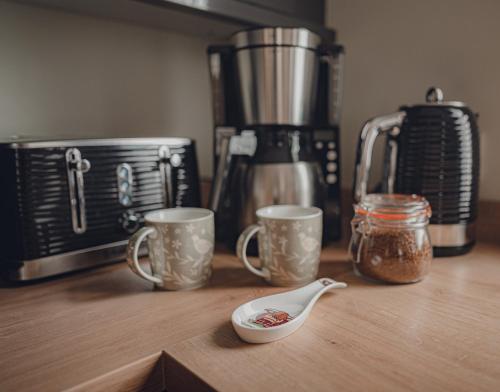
(205, 186)
(488, 222)
(180, 378)
(62, 332)
(104, 329)
(440, 334)
(146, 375)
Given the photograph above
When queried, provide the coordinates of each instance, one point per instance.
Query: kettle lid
(435, 97)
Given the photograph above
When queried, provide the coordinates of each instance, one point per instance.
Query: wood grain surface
(105, 329)
(146, 375)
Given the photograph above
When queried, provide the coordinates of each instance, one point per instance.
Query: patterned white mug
(181, 247)
(289, 239)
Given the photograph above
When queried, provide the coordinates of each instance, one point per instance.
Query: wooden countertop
(105, 329)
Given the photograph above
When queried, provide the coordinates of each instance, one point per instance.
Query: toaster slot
(75, 167)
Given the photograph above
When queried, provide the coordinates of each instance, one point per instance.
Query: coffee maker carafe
(276, 101)
(432, 149)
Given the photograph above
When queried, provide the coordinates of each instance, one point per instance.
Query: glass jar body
(390, 252)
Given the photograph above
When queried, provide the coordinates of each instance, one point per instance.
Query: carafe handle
(230, 145)
(371, 130)
(333, 56)
(221, 172)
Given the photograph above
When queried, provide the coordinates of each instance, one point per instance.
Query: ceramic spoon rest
(273, 317)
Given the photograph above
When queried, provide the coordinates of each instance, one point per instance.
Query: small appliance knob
(130, 221)
(434, 95)
(175, 160)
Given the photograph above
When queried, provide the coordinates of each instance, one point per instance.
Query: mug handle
(133, 253)
(241, 250)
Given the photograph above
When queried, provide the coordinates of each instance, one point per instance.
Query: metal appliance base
(449, 251)
(452, 240)
(27, 270)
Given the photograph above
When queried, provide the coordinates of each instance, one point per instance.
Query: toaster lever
(75, 167)
(167, 162)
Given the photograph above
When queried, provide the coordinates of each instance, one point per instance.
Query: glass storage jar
(390, 241)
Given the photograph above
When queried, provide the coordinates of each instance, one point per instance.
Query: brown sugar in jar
(390, 241)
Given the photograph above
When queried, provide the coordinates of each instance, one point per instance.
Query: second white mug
(289, 239)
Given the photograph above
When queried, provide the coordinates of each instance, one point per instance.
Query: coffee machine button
(331, 167)
(319, 145)
(331, 155)
(331, 145)
(331, 178)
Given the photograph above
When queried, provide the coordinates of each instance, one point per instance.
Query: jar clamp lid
(394, 208)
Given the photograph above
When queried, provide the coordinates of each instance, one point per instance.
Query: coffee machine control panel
(326, 146)
(328, 150)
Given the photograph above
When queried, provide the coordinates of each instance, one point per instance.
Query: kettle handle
(371, 130)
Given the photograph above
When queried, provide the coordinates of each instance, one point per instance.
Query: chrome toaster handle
(167, 162)
(75, 167)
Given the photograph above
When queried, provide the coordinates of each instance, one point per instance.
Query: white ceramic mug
(181, 245)
(289, 239)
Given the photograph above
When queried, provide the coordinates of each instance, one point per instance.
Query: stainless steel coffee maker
(276, 102)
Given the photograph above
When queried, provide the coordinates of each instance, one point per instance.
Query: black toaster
(72, 204)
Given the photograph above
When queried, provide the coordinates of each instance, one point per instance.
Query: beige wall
(66, 74)
(395, 49)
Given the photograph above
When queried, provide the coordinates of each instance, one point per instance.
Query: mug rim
(314, 212)
(149, 216)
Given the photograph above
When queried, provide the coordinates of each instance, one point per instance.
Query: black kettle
(432, 149)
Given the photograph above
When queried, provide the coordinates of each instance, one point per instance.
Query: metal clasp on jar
(360, 229)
